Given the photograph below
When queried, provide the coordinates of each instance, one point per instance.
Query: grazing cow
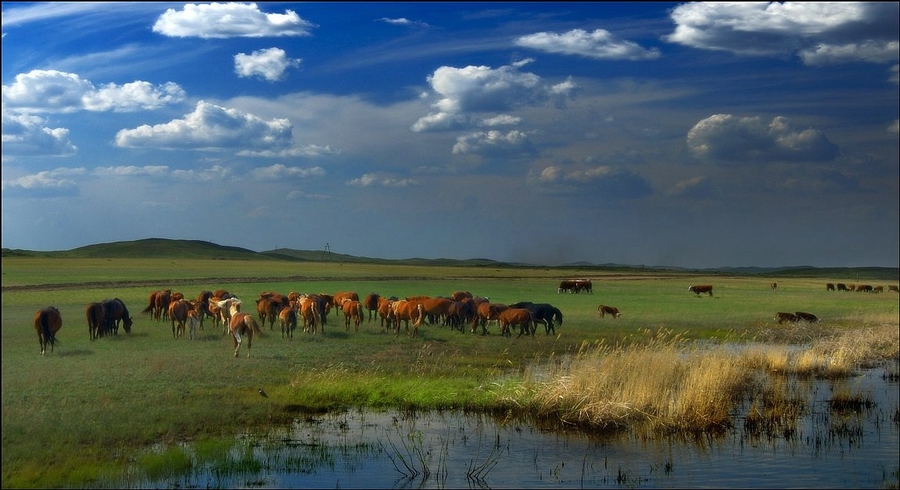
(604, 310)
(567, 286)
(516, 316)
(809, 317)
(700, 289)
(851, 287)
(841, 287)
(353, 310)
(894, 289)
(878, 289)
(404, 311)
(786, 317)
(584, 285)
(288, 318)
(774, 286)
(864, 288)
(829, 287)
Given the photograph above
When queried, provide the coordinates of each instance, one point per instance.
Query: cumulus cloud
(493, 143)
(599, 44)
(51, 183)
(280, 172)
(27, 135)
(485, 89)
(269, 64)
(211, 127)
(226, 20)
(369, 180)
(820, 33)
(603, 181)
(56, 91)
(727, 138)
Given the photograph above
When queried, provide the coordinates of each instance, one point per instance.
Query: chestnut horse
(47, 322)
(243, 324)
(96, 320)
(178, 314)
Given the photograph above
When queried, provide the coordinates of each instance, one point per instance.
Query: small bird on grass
(263, 393)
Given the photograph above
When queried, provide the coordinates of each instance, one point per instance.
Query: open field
(90, 405)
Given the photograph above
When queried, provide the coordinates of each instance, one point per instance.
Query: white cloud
(225, 20)
(211, 127)
(818, 32)
(500, 120)
(369, 180)
(132, 171)
(492, 142)
(484, 89)
(599, 44)
(52, 183)
(279, 172)
(727, 138)
(56, 91)
(27, 135)
(603, 180)
(269, 64)
(402, 21)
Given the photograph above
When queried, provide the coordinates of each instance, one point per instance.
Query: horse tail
(421, 315)
(46, 331)
(559, 317)
(254, 325)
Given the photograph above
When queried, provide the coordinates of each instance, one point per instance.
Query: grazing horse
(288, 318)
(178, 314)
(405, 311)
(486, 312)
(604, 310)
(95, 319)
(243, 324)
(544, 313)
(115, 311)
(516, 316)
(353, 310)
(47, 322)
(703, 288)
(268, 307)
(371, 304)
(436, 309)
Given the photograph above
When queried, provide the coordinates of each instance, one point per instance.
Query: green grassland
(91, 406)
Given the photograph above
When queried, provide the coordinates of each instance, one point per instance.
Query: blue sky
(677, 134)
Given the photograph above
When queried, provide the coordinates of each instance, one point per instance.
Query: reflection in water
(825, 447)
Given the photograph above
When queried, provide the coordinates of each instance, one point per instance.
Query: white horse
(226, 309)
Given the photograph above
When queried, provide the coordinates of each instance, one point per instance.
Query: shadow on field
(76, 352)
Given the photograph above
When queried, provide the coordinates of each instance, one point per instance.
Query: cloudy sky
(678, 134)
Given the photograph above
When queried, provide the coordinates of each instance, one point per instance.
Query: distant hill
(168, 248)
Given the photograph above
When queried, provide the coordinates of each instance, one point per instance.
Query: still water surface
(828, 448)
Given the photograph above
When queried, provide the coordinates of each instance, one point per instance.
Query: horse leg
(236, 342)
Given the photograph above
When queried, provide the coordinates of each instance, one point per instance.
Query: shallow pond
(825, 448)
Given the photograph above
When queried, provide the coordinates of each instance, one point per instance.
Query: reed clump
(664, 382)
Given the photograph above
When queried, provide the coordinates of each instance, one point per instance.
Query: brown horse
(115, 311)
(353, 310)
(268, 307)
(47, 322)
(405, 311)
(243, 324)
(95, 319)
(178, 314)
(371, 304)
(288, 318)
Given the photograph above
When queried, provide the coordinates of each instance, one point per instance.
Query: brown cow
(353, 310)
(702, 288)
(829, 287)
(604, 310)
(404, 311)
(878, 289)
(786, 317)
(516, 316)
(774, 286)
(894, 289)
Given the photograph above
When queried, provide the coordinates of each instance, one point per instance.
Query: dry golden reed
(666, 382)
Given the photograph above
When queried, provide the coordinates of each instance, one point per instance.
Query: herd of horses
(460, 311)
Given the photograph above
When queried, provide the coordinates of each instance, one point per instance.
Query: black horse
(543, 313)
(116, 313)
